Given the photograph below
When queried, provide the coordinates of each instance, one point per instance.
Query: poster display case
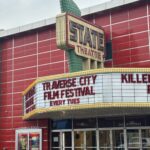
(29, 139)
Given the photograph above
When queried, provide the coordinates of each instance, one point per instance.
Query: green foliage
(70, 7)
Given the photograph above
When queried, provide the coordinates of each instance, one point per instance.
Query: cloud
(20, 12)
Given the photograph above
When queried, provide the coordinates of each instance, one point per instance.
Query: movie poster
(34, 141)
(23, 141)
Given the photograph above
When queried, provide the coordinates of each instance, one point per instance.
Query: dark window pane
(61, 124)
(108, 50)
(90, 139)
(132, 121)
(78, 139)
(147, 121)
(118, 139)
(133, 139)
(110, 122)
(146, 138)
(68, 139)
(84, 123)
(55, 139)
(104, 138)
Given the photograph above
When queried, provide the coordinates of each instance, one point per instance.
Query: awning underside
(89, 110)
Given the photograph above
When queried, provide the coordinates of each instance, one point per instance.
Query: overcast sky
(15, 13)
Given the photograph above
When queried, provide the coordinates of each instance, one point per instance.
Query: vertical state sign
(85, 38)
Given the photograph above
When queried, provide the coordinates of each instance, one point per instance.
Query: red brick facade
(29, 55)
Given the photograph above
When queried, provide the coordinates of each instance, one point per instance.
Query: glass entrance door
(56, 141)
(67, 141)
(111, 139)
(118, 139)
(104, 140)
(145, 139)
(133, 139)
(85, 140)
(101, 139)
(79, 140)
(91, 142)
(62, 140)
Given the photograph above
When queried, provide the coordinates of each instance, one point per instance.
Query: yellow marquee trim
(86, 106)
(87, 72)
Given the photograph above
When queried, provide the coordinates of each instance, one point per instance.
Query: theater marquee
(85, 88)
(87, 39)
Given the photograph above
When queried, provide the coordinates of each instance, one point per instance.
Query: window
(62, 124)
(84, 123)
(133, 121)
(108, 50)
(110, 122)
(29, 139)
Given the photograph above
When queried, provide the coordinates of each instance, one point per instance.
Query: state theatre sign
(99, 89)
(74, 32)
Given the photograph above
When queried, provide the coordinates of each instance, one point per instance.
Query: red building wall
(32, 54)
(25, 57)
(128, 27)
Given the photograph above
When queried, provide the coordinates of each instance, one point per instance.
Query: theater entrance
(110, 139)
(87, 140)
(79, 140)
(62, 140)
(101, 134)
